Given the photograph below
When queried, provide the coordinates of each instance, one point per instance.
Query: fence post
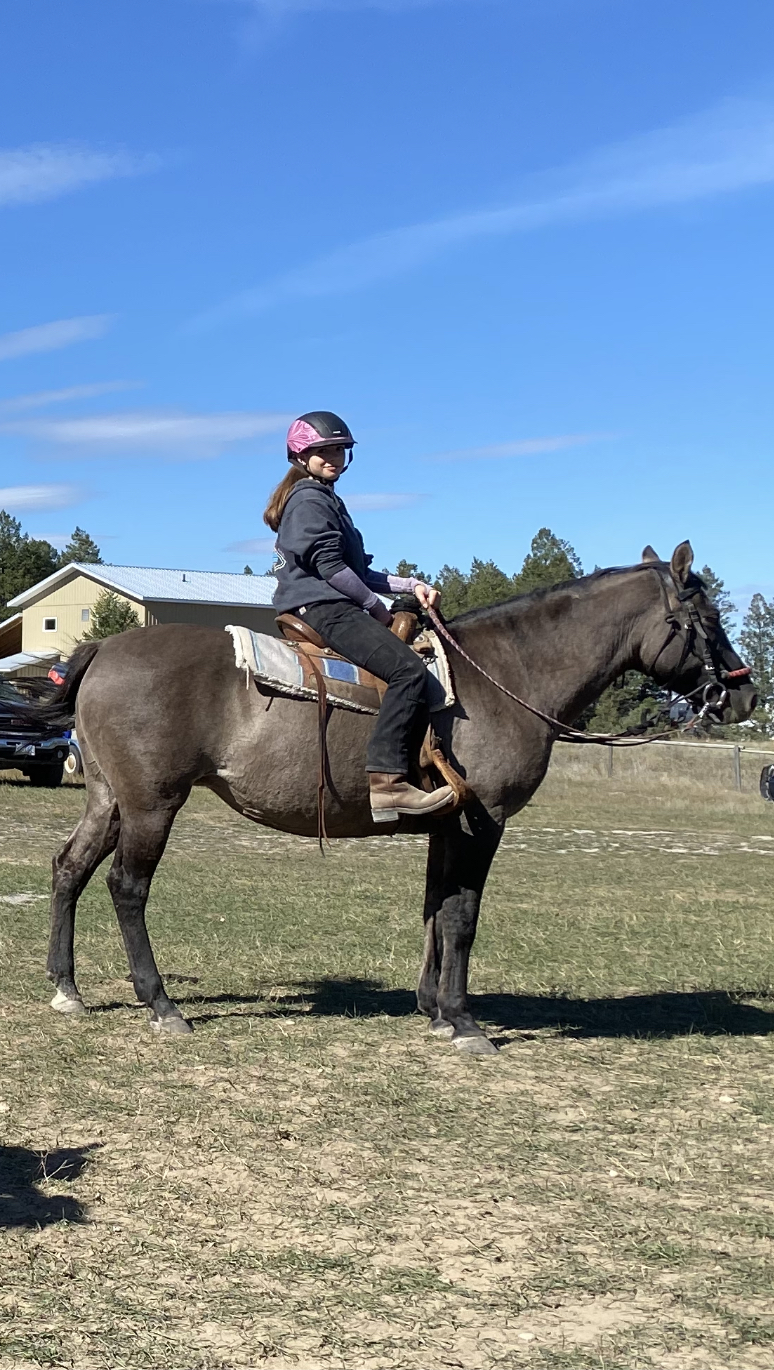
(609, 762)
(738, 767)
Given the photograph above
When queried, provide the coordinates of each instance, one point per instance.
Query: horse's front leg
(468, 857)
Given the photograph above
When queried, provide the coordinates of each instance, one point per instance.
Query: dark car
(35, 750)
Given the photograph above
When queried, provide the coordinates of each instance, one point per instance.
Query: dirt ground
(312, 1181)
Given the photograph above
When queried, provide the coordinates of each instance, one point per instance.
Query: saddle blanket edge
(271, 661)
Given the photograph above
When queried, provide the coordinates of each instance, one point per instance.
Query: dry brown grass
(311, 1182)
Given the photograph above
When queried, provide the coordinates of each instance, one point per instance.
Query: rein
(566, 733)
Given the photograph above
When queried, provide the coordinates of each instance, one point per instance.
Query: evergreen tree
(550, 560)
(757, 643)
(81, 547)
(23, 561)
(410, 568)
(248, 571)
(111, 614)
(454, 586)
(631, 702)
(717, 592)
(487, 584)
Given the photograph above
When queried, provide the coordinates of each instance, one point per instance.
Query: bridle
(696, 642)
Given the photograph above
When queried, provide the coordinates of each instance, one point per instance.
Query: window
(49, 625)
(84, 615)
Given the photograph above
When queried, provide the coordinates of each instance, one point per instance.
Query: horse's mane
(489, 611)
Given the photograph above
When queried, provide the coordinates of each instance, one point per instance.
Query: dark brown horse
(150, 729)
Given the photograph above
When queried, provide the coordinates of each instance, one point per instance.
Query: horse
(150, 729)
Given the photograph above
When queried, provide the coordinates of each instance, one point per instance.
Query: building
(53, 615)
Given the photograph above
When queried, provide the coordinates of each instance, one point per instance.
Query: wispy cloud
(523, 447)
(149, 432)
(46, 170)
(42, 399)
(29, 498)
(720, 151)
(391, 499)
(49, 337)
(252, 547)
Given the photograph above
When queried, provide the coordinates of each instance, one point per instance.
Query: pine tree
(757, 643)
(550, 561)
(111, 614)
(248, 571)
(454, 586)
(81, 547)
(487, 584)
(410, 568)
(23, 561)
(632, 702)
(717, 592)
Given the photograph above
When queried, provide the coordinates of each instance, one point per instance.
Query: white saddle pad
(272, 662)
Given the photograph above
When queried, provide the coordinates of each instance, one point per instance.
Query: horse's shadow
(22, 1204)
(666, 1014)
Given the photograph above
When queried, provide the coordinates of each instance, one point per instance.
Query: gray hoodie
(315, 542)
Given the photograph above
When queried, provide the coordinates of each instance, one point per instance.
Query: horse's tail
(59, 709)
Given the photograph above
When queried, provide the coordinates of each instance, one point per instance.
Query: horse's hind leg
(144, 836)
(429, 975)
(94, 838)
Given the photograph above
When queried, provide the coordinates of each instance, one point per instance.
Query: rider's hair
(279, 497)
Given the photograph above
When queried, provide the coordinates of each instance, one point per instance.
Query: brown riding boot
(392, 795)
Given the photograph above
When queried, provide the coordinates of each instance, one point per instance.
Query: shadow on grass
(667, 1014)
(21, 1203)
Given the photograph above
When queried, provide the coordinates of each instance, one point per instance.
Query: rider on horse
(324, 575)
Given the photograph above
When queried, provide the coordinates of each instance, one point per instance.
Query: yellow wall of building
(65, 603)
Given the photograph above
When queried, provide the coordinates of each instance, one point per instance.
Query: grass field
(312, 1181)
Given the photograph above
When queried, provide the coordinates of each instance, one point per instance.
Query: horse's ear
(648, 554)
(681, 563)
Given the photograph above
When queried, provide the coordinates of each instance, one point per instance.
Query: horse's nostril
(753, 704)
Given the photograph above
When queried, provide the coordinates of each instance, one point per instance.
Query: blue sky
(523, 246)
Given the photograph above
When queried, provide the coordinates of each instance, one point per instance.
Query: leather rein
(694, 628)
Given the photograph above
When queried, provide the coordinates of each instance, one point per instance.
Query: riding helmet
(318, 429)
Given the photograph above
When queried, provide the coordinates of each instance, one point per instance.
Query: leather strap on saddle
(295, 630)
(406, 626)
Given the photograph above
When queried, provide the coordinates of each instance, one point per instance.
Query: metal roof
(147, 583)
(13, 663)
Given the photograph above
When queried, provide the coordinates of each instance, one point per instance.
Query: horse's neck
(562, 650)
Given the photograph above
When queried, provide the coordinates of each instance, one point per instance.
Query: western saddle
(311, 648)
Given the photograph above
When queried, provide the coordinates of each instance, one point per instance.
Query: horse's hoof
(441, 1028)
(173, 1025)
(475, 1045)
(75, 1008)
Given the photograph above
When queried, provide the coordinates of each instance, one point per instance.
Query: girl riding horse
(324, 575)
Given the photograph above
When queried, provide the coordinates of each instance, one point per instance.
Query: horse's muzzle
(742, 701)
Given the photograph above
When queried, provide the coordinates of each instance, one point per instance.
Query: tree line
(24, 561)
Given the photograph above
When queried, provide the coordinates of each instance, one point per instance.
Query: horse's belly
(273, 778)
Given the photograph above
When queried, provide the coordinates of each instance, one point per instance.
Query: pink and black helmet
(319, 429)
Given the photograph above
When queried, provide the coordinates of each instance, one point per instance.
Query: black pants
(362, 639)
